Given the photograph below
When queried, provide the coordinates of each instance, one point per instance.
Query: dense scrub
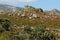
(27, 33)
(26, 24)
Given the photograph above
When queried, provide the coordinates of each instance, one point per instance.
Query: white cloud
(17, 0)
(12, 2)
(27, 0)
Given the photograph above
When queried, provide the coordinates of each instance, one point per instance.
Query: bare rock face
(30, 12)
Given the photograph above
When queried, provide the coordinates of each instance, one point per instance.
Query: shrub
(27, 29)
(6, 26)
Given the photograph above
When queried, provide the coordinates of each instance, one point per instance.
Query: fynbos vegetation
(29, 23)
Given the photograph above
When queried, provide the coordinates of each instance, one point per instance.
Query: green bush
(27, 29)
(6, 26)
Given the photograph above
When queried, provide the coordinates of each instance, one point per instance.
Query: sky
(44, 4)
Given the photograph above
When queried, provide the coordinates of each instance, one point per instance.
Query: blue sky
(44, 4)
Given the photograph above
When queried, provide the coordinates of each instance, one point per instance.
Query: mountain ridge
(9, 8)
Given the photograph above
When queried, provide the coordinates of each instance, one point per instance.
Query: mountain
(54, 11)
(29, 11)
(26, 10)
(8, 8)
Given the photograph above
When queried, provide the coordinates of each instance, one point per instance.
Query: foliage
(6, 26)
(27, 29)
(27, 33)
